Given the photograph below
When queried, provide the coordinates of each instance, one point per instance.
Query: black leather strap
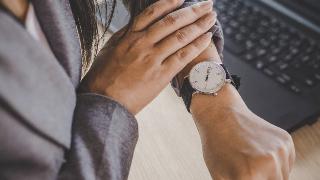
(186, 93)
(235, 80)
(187, 90)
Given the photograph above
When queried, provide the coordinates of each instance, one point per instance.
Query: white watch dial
(207, 77)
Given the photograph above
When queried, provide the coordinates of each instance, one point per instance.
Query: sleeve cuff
(103, 111)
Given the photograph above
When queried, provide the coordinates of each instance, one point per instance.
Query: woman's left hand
(134, 69)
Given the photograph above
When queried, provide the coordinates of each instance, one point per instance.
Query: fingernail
(210, 17)
(206, 4)
(209, 34)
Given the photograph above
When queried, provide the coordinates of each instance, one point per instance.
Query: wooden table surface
(169, 145)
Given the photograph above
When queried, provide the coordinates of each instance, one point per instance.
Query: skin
(18, 7)
(151, 53)
(236, 143)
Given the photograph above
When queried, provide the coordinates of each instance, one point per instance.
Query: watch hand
(208, 71)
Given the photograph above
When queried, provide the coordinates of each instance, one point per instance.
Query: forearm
(236, 142)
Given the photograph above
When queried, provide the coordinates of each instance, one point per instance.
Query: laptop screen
(307, 8)
(310, 9)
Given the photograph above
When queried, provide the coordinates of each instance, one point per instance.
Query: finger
(276, 172)
(176, 62)
(185, 36)
(292, 155)
(284, 163)
(154, 12)
(178, 19)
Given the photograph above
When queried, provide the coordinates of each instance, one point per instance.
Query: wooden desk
(169, 145)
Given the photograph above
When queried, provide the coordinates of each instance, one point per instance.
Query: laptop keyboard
(269, 45)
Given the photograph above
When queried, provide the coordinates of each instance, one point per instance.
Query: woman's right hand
(160, 43)
(237, 144)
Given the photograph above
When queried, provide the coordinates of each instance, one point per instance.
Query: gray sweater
(47, 130)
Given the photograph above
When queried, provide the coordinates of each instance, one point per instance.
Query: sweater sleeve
(103, 141)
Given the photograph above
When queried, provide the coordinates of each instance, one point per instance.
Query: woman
(40, 70)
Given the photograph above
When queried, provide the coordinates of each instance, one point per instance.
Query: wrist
(213, 109)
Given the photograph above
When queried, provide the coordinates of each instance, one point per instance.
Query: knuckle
(286, 137)
(181, 54)
(136, 23)
(181, 36)
(170, 19)
(208, 20)
(282, 151)
(268, 158)
(151, 71)
(140, 41)
(174, 2)
(203, 23)
(149, 60)
(197, 44)
(150, 11)
(195, 10)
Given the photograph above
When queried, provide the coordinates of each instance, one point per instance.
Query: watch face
(207, 77)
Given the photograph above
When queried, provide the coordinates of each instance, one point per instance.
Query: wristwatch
(208, 78)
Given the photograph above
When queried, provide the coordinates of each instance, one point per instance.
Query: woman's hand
(135, 69)
(237, 144)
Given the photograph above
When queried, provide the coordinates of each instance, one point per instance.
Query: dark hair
(137, 6)
(87, 13)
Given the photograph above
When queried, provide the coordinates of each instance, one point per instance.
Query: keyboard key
(234, 47)
(261, 52)
(272, 59)
(244, 29)
(305, 59)
(281, 80)
(282, 65)
(309, 82)
(265, 43)
(317, 76)
(234, 24)
(228, 31)
(239, 37)
(276, 50)
(286, 77)
(249, 57)
(254, 36)
(259, 64)
(294, 51)
(296, 65)
(295, 88)
(268, 72)
(249, 44)
(268, 44)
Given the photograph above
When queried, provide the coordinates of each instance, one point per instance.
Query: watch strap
(235, 80)
(186, 93)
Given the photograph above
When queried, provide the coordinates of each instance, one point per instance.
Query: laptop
(274, 45)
